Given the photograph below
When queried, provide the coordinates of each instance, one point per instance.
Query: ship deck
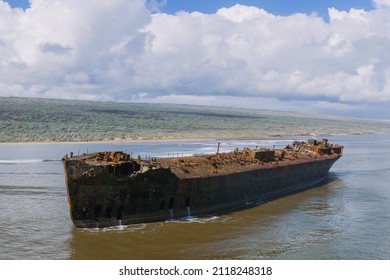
(227, 163)
(207, 165)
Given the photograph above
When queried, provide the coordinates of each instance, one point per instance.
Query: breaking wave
(24, 161)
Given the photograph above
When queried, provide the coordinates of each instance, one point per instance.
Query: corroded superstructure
(112, 188)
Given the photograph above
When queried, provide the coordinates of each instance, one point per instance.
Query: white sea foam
(20, 161)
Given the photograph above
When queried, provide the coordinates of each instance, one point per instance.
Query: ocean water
(348, 217)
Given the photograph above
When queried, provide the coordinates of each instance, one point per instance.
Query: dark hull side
(105, 199)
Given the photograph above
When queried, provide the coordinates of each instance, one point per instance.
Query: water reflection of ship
(112, 188)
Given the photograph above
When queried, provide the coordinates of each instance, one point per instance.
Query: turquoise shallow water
(346, 218)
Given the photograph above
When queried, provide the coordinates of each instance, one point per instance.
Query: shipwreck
(113, 188)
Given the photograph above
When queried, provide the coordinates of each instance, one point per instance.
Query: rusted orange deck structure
(112, 188)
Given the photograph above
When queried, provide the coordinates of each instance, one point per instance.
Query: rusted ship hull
(110, 195)
(240, 190)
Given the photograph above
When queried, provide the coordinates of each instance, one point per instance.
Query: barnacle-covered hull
(110, 188)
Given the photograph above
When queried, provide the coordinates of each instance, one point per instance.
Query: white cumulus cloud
(382, 3)
(54, 40)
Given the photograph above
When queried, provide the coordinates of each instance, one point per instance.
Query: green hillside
(33, 120)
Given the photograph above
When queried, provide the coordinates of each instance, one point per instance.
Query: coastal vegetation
(46, 120)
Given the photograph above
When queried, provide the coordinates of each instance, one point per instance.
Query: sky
(316, 57)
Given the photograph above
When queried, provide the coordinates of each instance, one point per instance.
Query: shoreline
(107, 141)
(149, 140)
(119, 141)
